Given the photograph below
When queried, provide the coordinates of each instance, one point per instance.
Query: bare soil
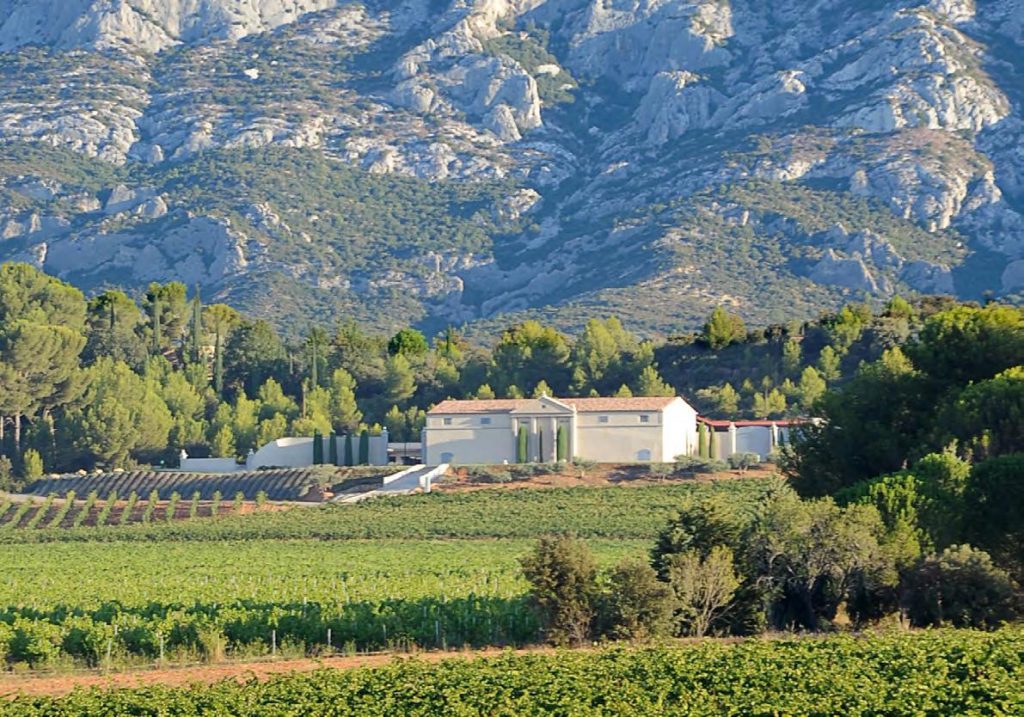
(12, 686)
(603, 475)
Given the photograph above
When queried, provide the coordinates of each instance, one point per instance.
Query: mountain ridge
(557, 158)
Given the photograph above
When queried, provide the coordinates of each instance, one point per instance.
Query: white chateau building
(605, 430)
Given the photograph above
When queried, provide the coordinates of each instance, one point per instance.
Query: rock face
(780, 157)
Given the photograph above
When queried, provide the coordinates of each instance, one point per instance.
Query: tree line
(905, 498)
(115, 381)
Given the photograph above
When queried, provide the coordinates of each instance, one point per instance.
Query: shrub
(960, 587)
(562, 576)
(703, 588)
(696, 464)
(31, 465)
(638, 605)
(661, 470)
(743, 461)
(994, 510)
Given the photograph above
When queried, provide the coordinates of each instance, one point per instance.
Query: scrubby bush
(959, 587)
(562, 573)
(638, 606)
(696, 464)
(703, 588)
(743, 461)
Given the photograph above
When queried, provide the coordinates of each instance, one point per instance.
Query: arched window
(644, 454)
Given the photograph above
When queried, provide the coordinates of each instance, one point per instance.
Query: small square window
(645, 419)
(447, 421)
(485, 421)
(602, 419)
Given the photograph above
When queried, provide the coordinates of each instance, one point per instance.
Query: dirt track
(57, 685)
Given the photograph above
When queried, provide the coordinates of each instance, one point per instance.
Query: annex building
(605, 430)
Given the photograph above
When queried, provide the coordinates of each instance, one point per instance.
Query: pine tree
(791, 356)
(728, 400)
(651, 384)
(541, 389)
(485, 392)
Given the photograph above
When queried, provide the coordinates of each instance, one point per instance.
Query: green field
(434, 571)
(935, 673)
(630, 513)
(136, 602)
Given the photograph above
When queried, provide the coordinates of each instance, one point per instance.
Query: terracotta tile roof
(505, 405)
(783, 422)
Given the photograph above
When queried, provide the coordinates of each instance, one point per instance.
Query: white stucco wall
(622, 439)
(679, 436)
(210, 465)
(466, 440)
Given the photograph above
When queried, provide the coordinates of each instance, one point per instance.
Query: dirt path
(57, 685)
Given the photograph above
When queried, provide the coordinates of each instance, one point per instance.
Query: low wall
(211, 465)
(291, 452)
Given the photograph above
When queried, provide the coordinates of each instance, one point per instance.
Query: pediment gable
(545, 405)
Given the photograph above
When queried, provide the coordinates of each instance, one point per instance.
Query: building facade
(762, 438)
(605, 430)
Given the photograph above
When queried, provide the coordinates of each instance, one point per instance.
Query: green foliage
(637, 606)
(332, 450)
(723, 328)
(960, 587)
(408, 342)
(530, 49)
(562, 444)
(318, 449)
(994, 510)
(863, 675)
(31, 465)
(364, 447)
(562, 572)
(522, 445)
(349, 454)
(650, 383)
(703, 588)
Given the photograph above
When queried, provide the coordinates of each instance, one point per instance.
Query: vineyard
(433, 571)
(934, 673)
(179, 602)
(281, 484)
(631, 513)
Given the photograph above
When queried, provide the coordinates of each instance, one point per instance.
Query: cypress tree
(218, 366)
(521, 446)
(157, 338)
(712, 445)
(702, 440)
(349, 458)
(562, 444)
(318, 448)
(364, 448)
(332, 449)
(197, 326)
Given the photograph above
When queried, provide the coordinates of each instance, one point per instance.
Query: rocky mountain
(450, 161)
